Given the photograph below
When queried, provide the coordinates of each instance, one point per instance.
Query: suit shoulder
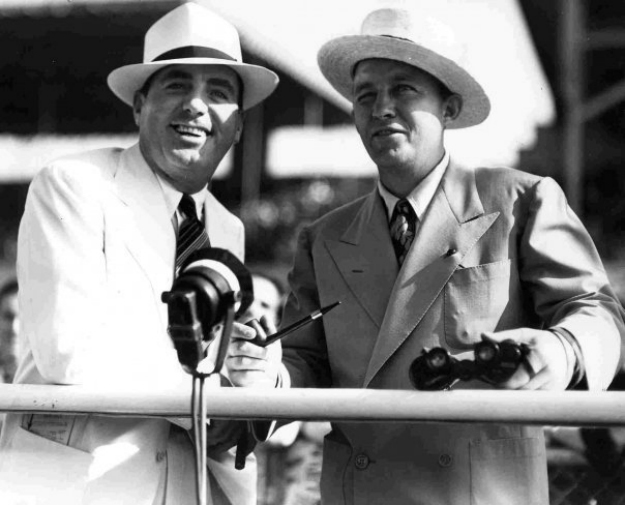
(505, 177)
(517, 191)
(84, 167)
(223, 213)
(502, 184)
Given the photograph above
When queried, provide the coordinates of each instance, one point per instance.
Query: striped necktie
(191, 233)
(403, 224)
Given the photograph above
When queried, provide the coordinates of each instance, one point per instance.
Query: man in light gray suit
(97, 247)
(438, 255)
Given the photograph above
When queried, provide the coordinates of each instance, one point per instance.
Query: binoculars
(494, 363)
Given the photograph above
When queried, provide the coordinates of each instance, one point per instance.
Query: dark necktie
(403, 224)
(191, 233)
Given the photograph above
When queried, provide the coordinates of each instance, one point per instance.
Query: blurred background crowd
(555, 70)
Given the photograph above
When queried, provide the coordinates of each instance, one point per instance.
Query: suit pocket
(336, 471)
(509, 472)
(475, 299)
(37, 471)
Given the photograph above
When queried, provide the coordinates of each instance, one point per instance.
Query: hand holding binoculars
(494, 363)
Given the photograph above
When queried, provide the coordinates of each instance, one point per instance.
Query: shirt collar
(421, 196)
(173, 196)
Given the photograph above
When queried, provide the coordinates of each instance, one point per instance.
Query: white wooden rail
(572, 408)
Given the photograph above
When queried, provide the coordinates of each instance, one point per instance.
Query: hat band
(397, 37)
(193, 52)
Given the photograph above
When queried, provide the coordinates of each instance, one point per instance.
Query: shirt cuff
(284, 378)
(576, 371)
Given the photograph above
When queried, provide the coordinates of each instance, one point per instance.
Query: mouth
(191, 132)
(386, 132)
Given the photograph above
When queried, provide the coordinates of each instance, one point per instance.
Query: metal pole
(572, 52)
(253, 156)
(572, 408)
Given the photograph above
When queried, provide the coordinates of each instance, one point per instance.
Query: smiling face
(400, 113)
(188, 119)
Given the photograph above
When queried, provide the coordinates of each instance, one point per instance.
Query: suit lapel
(146, 224)
(453, 223)
(221, 228)
(365, 258)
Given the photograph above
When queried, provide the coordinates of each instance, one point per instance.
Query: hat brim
(258, 82)
(338, 57)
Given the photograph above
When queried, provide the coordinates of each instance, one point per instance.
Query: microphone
(210, 290)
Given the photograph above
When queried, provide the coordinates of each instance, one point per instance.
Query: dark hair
(143, 90)
(8, 288)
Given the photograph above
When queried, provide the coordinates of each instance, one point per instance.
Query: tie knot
(187, 206)
(192, 233)
(404, 207)
(403, 225)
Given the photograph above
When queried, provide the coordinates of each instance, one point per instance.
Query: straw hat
(396, 35)
(192, 35)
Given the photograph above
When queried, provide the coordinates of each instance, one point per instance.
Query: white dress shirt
(421, 196)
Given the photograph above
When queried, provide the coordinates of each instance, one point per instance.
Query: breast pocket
(475, 299)
(36, 470)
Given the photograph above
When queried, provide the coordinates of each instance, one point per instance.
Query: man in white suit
(97, 246)
(439, 254)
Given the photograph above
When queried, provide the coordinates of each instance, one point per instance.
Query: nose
(383, 106)
(195, 104)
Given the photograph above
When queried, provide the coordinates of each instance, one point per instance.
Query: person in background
(268, 303)
(439, 254)
(10, 344)
(304, 463)
(289, 462)
(268, 297)
(102, 235)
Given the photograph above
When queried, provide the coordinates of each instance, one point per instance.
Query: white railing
(571, 408)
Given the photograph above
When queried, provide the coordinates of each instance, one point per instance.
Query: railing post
(572, 50)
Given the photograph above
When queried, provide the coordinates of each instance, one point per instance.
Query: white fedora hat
(192, 35)
(396, 35)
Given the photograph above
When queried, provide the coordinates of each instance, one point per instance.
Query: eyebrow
(222, 82)
(360, 87)
(399, 77)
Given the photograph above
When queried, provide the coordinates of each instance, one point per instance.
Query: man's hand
(546, 366)
(223, 434)
(248, 364)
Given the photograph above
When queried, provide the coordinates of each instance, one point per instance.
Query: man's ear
(240, 123)
(453, 106)
(137, 105)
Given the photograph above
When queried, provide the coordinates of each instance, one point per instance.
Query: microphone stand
(198, 410)
(201, 309)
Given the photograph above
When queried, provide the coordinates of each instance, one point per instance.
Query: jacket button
(362, 461)
(445, 460)
(160, 456)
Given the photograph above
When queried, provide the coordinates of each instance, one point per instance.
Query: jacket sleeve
(61, 271)
(82, 326)
(305, 353)
(570, 289)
